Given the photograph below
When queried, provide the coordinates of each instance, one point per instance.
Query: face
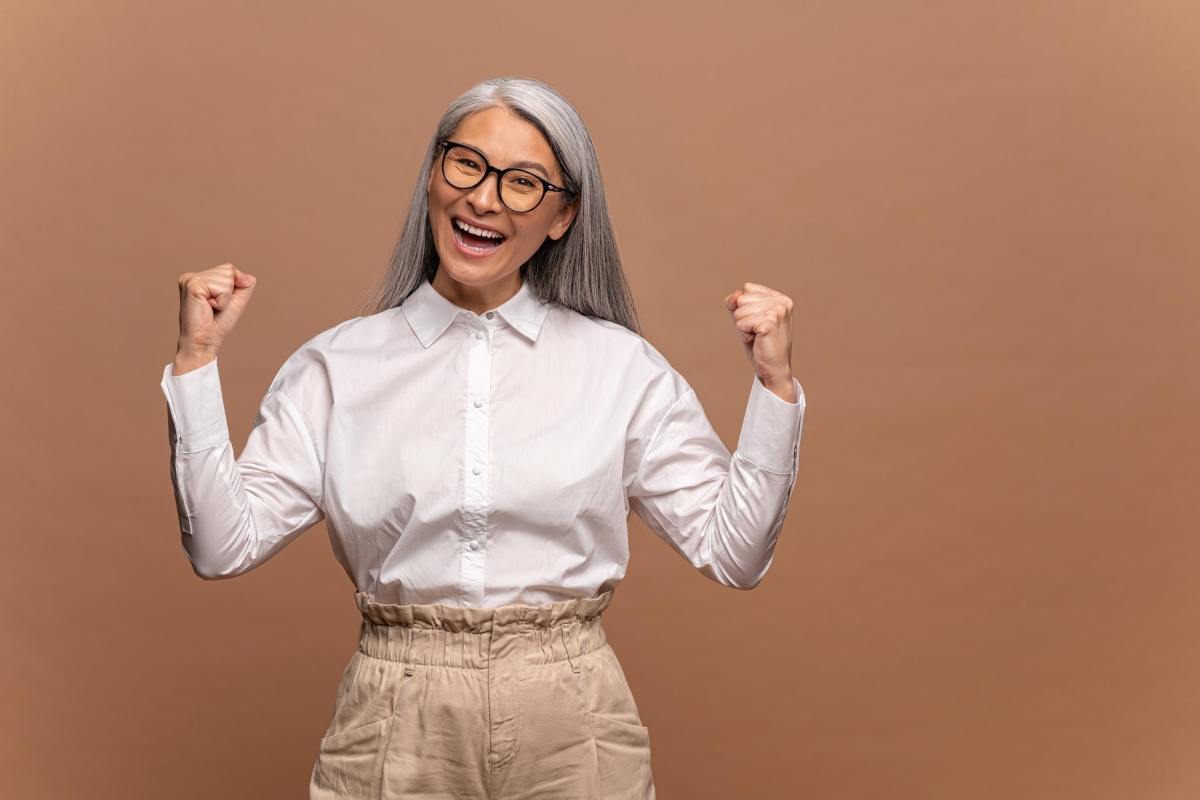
(508, 238)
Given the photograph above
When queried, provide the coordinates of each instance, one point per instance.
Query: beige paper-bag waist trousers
(501, 703)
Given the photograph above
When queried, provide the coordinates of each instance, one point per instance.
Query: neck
(477, 298)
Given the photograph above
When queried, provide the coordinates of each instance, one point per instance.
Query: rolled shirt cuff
(770, 436)
(197, 407)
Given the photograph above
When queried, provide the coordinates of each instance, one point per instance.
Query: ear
(562, 222)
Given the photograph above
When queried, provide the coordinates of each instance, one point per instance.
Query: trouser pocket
(622, 742)
(350, 764)
(623, 759)
(351, 756)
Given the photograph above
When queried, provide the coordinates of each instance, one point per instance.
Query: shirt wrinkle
(310, 440)
(761, 467)
(658, 427)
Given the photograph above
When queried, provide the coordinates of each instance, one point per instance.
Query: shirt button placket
(475, 489)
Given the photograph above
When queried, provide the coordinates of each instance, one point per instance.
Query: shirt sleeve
(721, 512)
(234, 514)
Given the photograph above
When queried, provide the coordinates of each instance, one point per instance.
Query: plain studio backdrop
(988, 585)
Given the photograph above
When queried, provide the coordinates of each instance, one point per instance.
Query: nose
(486, 196)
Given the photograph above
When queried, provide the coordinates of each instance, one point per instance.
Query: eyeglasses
(521, 191)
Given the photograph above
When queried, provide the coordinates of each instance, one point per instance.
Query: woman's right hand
(210, 303)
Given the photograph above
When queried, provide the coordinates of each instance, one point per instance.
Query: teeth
(477, 231)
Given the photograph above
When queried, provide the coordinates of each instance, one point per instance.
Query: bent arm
(234, 514)
(721, 512)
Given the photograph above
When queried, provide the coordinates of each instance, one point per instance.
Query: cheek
(437, 203)
(534, 231)
(439, 219)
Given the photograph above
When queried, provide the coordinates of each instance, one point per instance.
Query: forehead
(506, 139)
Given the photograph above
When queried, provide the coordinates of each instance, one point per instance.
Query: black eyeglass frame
(547, 186)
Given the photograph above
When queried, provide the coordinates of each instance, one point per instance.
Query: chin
(472, 274)
(472, 270)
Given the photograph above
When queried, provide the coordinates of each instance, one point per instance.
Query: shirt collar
(524, 311)
(429, 314)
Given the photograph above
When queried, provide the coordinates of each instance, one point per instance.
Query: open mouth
(476, 240)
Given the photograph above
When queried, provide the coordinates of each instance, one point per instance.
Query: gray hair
(582, 269)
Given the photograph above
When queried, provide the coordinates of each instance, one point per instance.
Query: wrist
(189, 357)
(781, 386)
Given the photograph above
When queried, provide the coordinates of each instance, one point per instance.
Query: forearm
(234, 516)
(722, 512)
(743, 528)
(754, 499)
(216, 520)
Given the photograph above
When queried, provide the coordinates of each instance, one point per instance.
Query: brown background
(989, 582)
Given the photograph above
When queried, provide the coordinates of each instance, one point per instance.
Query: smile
(476, 240)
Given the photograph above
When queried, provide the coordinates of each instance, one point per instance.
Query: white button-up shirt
(479, 460)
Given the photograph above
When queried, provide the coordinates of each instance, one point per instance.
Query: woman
(475, 447)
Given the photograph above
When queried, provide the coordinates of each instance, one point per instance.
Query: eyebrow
(526, 165)
(532, 165)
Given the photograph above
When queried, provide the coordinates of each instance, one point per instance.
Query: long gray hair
(582, 269)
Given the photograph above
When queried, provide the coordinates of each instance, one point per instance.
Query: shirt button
(479, 404)
(489, 315)
(476, 471)
(478, 335)
(474, 545)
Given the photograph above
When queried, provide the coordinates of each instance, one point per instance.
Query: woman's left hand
(763, 318)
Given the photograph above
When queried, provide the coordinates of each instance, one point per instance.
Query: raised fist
(210, 303)
(763, 318)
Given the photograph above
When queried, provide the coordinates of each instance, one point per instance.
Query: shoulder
(360, 333)
(317, 359)
(569, 325)
(622, 353)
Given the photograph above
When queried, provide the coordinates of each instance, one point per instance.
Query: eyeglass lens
(519, 190)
